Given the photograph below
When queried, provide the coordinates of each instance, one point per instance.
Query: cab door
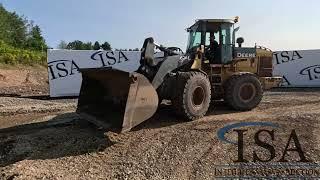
(225, 43)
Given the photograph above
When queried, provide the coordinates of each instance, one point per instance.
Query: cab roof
(212, 24)
(217, 20)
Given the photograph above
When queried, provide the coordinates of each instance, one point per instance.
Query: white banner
(298, 68)
(63, 65)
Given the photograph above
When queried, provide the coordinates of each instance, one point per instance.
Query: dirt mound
(19, 81)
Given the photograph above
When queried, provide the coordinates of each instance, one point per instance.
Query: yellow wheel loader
(212, 68)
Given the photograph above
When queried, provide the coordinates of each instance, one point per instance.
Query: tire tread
(184, 78)
(229, 91)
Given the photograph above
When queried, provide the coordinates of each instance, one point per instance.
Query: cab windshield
(193, 40)
(194, 37)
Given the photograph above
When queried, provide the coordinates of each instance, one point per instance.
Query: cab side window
(208, 38)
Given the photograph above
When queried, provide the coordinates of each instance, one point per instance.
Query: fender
(199, 70)
(240, 73)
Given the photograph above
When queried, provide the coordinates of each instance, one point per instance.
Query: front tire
(243, 92)
(193, 95)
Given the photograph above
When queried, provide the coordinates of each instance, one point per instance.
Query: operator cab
(217, 36)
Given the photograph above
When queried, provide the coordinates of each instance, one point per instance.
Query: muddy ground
(45, 139)
(42, 138)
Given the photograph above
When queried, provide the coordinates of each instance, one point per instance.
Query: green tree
(75, 45)
(17, 30)
(20, 41)
(35, 41)
(87, 46)
(106, 46)
(62, 45)
(96, 46)
(79, 45)
(13, 29)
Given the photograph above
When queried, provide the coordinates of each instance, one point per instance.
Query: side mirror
(240, 40)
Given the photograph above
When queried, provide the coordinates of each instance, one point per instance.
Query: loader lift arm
(118, 100)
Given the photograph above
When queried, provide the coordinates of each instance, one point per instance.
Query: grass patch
(12, 56)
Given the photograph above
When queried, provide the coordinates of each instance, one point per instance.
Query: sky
(276, 24)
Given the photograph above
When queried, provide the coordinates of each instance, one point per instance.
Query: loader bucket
(116, 100)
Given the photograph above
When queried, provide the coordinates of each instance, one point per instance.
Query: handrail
(262, 47)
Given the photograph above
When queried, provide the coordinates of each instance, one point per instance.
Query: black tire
(243, 92)
(193, 95)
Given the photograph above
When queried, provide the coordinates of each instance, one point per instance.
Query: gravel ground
(47, 140)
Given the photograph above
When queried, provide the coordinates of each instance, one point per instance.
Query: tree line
(21, 41)
(79, 45)
(17, 31)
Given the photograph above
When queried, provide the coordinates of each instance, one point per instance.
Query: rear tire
(193, 95)
(243, 92)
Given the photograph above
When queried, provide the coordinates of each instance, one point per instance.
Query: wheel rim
(247, 92)
(198, 96)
